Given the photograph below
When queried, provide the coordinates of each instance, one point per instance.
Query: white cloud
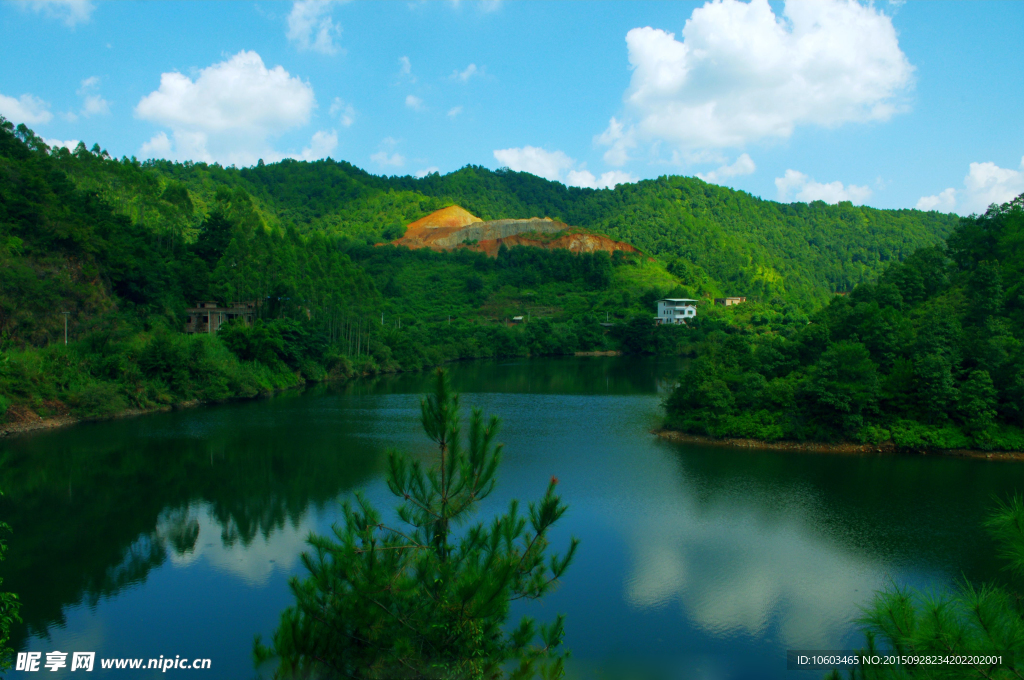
(536, 161)
(607, 180)
(454, 111)
(405, 68)
(345, 112)
(69, 144)
(71, 12)
(985, 183)
(310, 26)
(93, 103)
(808, 190)
(159, 146)
(320, 146)
(742, 74)
(228, 112)
(744, 165)
(414, 102)
(465, 75)
(427, 171)
(944, 201)
(27, 109)
(383, 158)
(558, 167)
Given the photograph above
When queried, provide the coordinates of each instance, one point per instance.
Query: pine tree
(10, 607)
(429, 599)
(974, 620)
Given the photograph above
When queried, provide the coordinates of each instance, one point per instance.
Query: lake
(176, 533)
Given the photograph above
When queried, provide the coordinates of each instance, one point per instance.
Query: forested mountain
(929, 356)
(713, 239)
(124, 247)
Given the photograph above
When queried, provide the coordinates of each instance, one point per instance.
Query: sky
(887, 104)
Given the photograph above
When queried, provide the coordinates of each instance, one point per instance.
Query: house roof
(676, 300)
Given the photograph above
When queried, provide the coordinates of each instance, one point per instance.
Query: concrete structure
(676, 310)
(207, 317)
(727, 301)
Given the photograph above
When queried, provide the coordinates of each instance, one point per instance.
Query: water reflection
(182, 528)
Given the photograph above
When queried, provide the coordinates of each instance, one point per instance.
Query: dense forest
(929, 356)
(116, 250)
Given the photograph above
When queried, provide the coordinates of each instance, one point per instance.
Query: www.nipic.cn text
(85, 661)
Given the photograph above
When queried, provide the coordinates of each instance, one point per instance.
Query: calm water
(176, 533)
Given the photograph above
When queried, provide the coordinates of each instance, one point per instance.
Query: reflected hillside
(96, 507)
(539, 375)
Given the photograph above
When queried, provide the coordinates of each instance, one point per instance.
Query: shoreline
(845, 448)
(36, 423)
(52, 423)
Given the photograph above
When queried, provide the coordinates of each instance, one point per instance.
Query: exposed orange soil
(454, 227)
(576, 241)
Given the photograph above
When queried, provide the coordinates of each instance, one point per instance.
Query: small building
(208, 317)
(517, 319)
(728, 301)
(675, 310)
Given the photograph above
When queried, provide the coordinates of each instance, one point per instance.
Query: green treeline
(116, 250)
(929, 356)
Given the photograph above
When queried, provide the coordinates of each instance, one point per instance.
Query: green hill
(124, 247)
(931, 356)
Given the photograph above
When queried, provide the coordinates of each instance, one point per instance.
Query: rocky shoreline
(31, 422)
(847, 448)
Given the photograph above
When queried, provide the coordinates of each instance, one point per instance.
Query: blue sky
(893, 105)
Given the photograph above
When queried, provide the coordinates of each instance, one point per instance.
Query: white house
(676, 310)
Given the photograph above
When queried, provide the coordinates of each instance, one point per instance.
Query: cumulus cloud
(454, 111)
(311, 27)
(741, 74)
(465, 75)
(985, 183)
(68, 144)
(944, 201)
(386, 155)
(92, 102)
(70, 12)
(229, 111)
(427, 171)
(320, 146)
(159, 146)
(536, 161)
(414, 102)
(558, 167)
(744, 165)
(607, 180)
(27, 109)
(345, 112)
(807, 190)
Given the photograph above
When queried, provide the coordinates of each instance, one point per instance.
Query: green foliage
(125, 247)
(975, 619)
(429, 599)
(10, 608)
(930, 357)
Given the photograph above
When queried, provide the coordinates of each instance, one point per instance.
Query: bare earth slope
(454, 227)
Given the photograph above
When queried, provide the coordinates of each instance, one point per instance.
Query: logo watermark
(86, 661)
